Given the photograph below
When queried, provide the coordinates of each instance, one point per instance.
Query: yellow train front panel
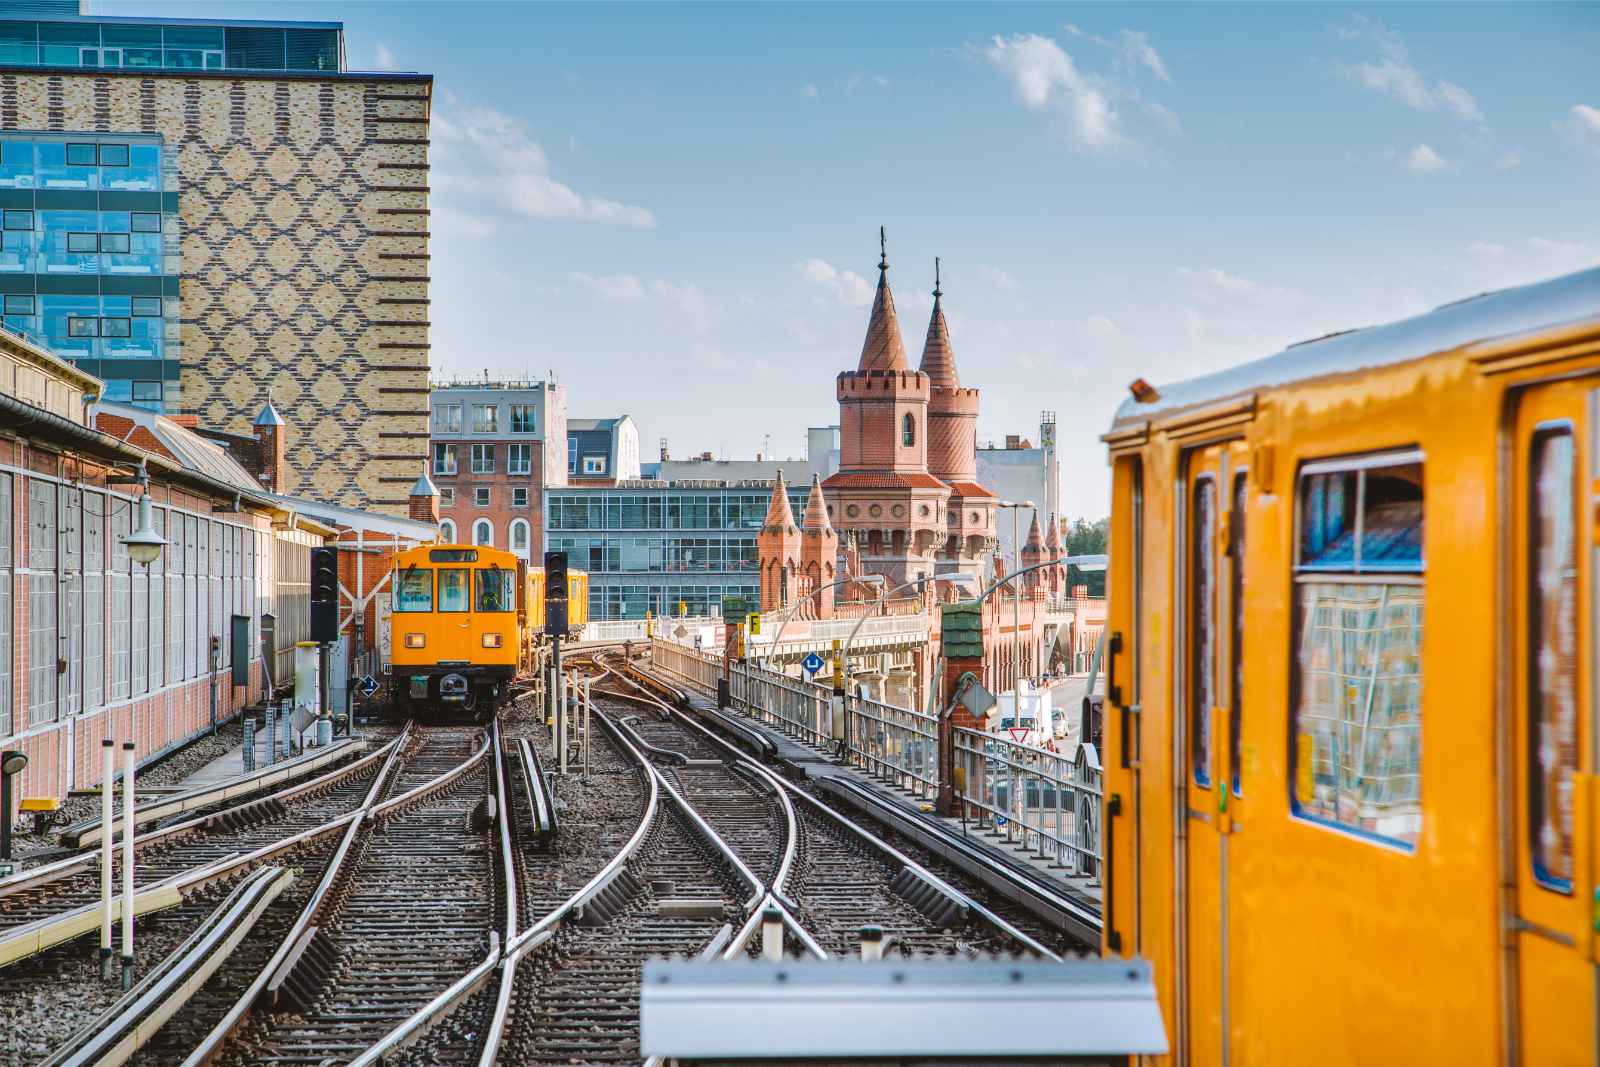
(1349, 741)
(456, 627)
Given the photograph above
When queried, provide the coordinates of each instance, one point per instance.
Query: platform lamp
(11, 764)
(144, 544)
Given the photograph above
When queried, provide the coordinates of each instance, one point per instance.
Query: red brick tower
(778, 546)
(1033, 553)
(952, 447)
(883, 491)
(423, 500)
(1056, 577)
(272, 442)
(819, 551)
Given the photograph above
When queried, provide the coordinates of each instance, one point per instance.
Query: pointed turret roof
(424, 486)
(816, 509)
(938, 357)
(1052, 540)
(1035, 535)
(269, 416)
(779, 514)
(883, 349)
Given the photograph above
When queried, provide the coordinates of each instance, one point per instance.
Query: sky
(675, 209)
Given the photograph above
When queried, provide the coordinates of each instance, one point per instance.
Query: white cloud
(686, 300)
(844, 286)
(1221, 281)
(810, 90)
(1424, 160)
(385, 59)
(999, 278)
(1581, 127)
(1393, 74)
(1045, 78)
(1136, 51)
(1097, 326)
(1485, 250)
(1509, 160)
(485, 164)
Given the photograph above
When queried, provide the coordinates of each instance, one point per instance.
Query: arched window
(908, 430)
(519, 537)
(483, 532)
(447, 532)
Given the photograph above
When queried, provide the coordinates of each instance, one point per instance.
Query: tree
(1085, 538)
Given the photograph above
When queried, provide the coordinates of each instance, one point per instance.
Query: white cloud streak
(686, 300)
(1424, 160)
(845, 287)
(1044, 78)
(385, 58)
(1581, 127)
(486, 166)
(1394, 75)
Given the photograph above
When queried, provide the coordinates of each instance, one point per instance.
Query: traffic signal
(324, 593)
(555, 594)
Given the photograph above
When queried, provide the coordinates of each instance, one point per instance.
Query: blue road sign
(368, 684)
(812, 663)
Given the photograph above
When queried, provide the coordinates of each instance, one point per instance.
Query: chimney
(424, 499)
(272, 449)
(1013, 442)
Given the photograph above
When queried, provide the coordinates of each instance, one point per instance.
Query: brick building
(216, 215)
(492, 458)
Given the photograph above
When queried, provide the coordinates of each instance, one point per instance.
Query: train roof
(1569, 299)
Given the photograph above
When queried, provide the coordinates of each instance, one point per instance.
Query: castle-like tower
(953, 448)
(819, 553)
(778, 546)
(883, 490)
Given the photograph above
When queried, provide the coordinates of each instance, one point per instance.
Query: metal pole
(5, 815)
(324, 679)
(1016, 626)
(108, 832)
(561, 718)
(127, 864)
(272, 733)
(588, 707)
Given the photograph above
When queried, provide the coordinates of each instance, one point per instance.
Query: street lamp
(870, 579)
(1016, 594)
(144, 544)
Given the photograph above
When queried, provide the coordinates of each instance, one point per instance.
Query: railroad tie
(304, 974)
(612, 900)
(928, 898)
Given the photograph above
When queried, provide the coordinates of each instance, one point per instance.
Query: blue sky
(675, 208)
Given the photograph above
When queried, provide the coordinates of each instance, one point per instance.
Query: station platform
(906, 813)
(231, 765)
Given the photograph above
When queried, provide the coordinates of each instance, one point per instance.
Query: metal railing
(1047, 802)
(896, 744)
(612, 630)
(798, 708)
(687, 663)
(805, 633)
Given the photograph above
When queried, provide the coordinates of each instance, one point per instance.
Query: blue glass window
(19, 220)
(80, 155)
(113, 155)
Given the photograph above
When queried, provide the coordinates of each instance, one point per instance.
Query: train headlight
(415, 640)
(491, 640)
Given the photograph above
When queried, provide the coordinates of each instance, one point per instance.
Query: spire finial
(936, 292)
(883, 249)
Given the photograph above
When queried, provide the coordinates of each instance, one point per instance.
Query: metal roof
(187, 447)
(1568, 299)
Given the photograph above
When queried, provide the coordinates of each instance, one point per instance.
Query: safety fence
(1046, 801)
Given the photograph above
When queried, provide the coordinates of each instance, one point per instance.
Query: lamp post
(844, 653)
(870, 579)
(1016, 618)
(12, 762)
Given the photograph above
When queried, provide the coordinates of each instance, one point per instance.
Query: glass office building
(649, 546)
(89, 260)
(162, 44)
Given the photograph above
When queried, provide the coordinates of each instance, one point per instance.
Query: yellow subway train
(1350, 744)
(465, 622)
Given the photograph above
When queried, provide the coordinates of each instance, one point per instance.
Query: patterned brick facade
(304, 253)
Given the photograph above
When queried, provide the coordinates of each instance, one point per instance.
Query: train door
(1552, 503)
(1213, 482)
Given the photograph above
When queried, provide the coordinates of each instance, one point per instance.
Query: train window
(1202, 627)
(1552, 656)
(413, 590)
(1236, 606)
(1357, 751)
(453, 589)
(453, 555)
(497, 590)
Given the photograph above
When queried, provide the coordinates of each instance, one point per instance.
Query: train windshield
(497, 590)
(413, 590)
(453, 589)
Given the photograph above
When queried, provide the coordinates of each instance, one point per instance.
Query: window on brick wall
(41, 601)
(483, 459)
(444, 459)
(480, 496)
(519, 498)
(7, 554)
(519, 459)
(447, 498)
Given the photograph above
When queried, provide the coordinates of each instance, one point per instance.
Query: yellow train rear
(1350, 735)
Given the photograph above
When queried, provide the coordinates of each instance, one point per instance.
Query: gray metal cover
(791, 1009)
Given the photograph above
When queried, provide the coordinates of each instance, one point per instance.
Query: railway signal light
(555, 594)
(324, 594)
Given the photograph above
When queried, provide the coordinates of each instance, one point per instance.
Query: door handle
(1113, 809)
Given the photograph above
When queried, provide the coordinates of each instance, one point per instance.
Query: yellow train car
(1350, 742)
(577, 599)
